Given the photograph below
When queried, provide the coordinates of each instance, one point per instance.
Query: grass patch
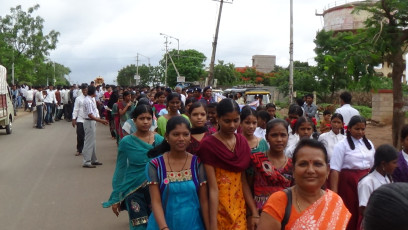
(281, 104)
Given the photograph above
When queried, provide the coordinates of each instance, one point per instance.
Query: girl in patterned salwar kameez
(226, 156)
(177, 182)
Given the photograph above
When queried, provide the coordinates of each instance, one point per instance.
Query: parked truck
(6, 102)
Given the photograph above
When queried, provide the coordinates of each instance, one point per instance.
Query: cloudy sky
(99, 37)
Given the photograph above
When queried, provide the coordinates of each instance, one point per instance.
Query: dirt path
(379, 135)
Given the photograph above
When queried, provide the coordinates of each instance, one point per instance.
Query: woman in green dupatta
(130, 191)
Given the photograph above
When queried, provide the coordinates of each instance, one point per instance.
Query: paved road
(43, 185)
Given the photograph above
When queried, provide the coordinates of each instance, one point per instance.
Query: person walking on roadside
(39, 102)
(58, 106)
(91, 116)
(14, 95)
(29, 98)
(346, 110)
(125, 109)
(49, 103)
(78, 119)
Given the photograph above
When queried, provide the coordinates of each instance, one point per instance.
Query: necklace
(168, 160)
(252, 141)
(149, 137)
(282, 165)
(297, 195)
(231, 148)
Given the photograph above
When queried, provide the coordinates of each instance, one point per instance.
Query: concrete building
(264, 63)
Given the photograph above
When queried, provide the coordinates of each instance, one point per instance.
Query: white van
(6, 102)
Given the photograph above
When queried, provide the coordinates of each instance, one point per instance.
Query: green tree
(304, 79)
(149, 75)
(344, 62)
(25, 33)
(126, 76)
(225, 73)
(24, 43)
(189, 64)
(387, 32)
(157, 75)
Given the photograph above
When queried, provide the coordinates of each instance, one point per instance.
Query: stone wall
(382, 105)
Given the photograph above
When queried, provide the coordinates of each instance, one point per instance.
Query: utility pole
(167, 52)
(214, 45)
(12, 73)
(137, 64)
(12, 70)
(291, 55)
(54, 74)
(165, 73)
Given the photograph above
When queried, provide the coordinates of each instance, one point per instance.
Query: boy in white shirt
(263, 117)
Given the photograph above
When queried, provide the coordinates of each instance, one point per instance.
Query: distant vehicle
(6, 102)
(187, 84)
(250, 95)
(230, 93)
(217, 94)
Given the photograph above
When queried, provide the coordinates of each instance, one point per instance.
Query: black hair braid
(367, 144)
(159, 149)
(350, 141)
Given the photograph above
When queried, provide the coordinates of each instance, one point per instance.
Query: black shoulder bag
(288, 208)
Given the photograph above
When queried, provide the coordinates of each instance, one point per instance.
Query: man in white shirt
(23, 91)
(29, 98)
(65, 102)
(78, 119)
(183, 97)
(346, 110)
(91, 116)
(49, 103)
(39, 102)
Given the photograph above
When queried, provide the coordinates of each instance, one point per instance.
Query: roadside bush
(364, 111)
(281, 104)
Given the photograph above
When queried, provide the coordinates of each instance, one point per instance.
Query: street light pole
(291, 55)
(167, 53)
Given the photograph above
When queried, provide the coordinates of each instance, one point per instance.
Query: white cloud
(98, 38)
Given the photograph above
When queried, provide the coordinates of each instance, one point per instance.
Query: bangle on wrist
(256, 217)
(164, 228)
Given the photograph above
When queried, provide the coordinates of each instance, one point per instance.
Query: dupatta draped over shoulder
(131, 162)
(213, 152)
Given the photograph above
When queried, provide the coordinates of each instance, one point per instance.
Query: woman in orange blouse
(310, 207)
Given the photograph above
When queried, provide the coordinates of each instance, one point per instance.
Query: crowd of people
(189, 161)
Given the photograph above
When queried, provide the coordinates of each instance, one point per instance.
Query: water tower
(338, 16)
